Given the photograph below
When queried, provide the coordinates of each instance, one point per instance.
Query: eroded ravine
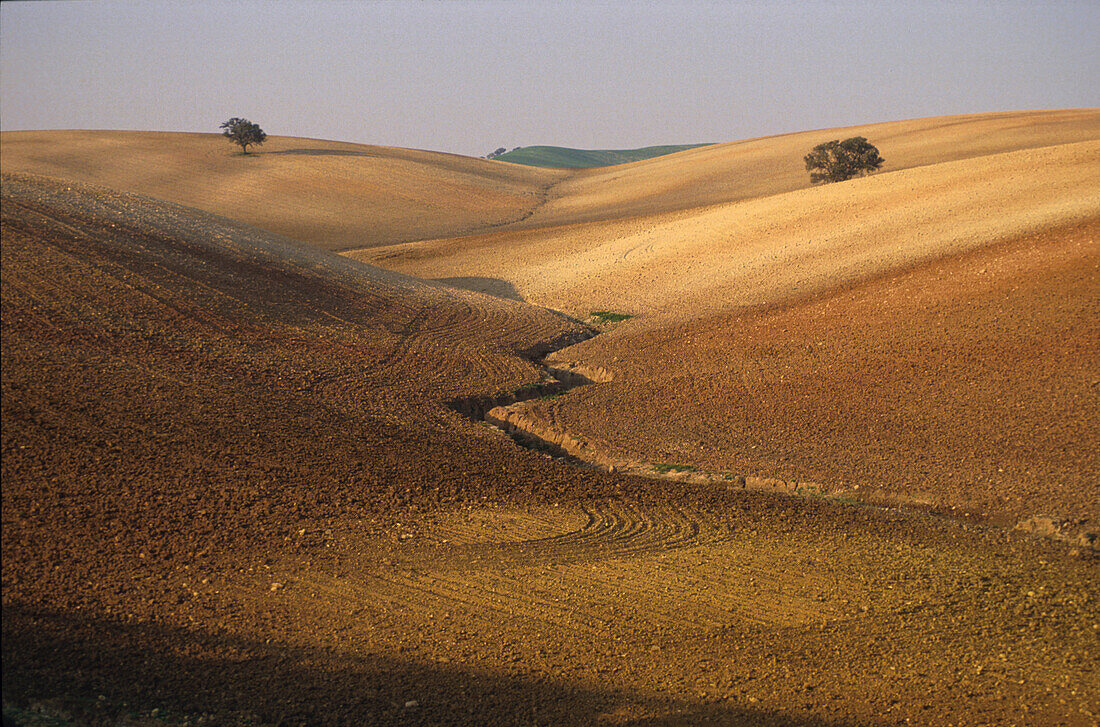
(511, 414)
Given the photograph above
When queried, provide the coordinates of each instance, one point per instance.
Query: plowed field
(971, 384)
(927, 336)
(242, 483)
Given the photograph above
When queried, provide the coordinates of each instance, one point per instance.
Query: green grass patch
(809, 491)
(665, 467)
(607, 316)
(560, 157)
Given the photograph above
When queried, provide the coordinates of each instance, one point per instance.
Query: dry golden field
(330, 194)
(838, 468)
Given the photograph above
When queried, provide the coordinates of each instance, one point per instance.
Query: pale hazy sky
(467, 77)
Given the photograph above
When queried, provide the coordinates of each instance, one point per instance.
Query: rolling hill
(691, 278)
(560, 157)
(329, 194)
(249, 481)
(341, 196)
(197, 376)
(766, 166)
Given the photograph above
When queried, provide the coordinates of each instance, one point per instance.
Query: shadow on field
(321, 153)
(94, 671)
(492, 286)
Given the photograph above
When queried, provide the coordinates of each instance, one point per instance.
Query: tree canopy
(243, 133)
(836, 161)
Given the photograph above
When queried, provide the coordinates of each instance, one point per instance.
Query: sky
(467, 77)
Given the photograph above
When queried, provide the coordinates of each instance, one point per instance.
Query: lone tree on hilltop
(835, 161)
(243, 133)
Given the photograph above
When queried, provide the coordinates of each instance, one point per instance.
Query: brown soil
(234, 491)
(891, 334)
(971, 383)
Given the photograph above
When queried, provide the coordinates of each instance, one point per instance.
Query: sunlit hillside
(342, 196)
(702, 389)
(330, 194)
(771, 165)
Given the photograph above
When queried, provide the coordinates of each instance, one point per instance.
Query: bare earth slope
(204, 384)
(970, 383)
(935, 397)
(330, 194)
(234, 491)
(231, 491)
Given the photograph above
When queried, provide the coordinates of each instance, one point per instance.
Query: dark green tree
(835, 161)
(243, 133)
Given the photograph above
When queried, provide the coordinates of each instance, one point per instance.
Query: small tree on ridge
(243, 133)
(836, 161)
